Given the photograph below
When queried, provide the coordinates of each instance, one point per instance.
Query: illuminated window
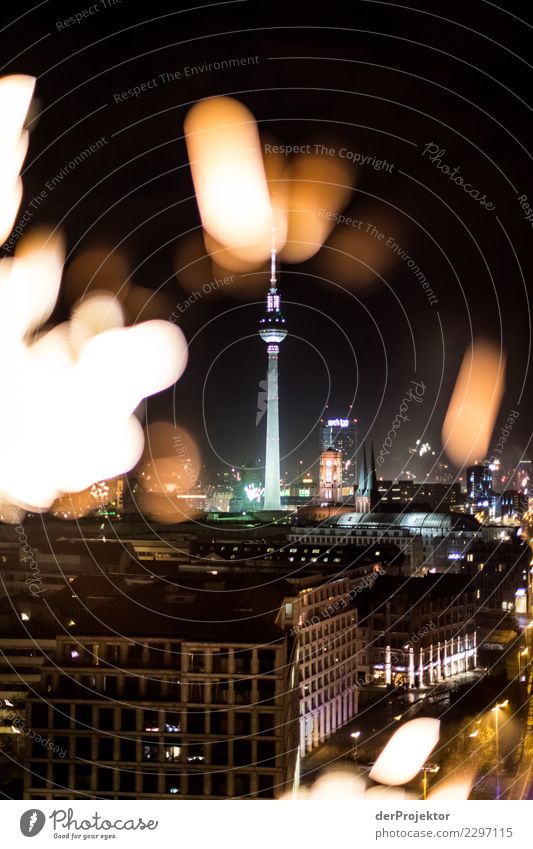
(172, 754)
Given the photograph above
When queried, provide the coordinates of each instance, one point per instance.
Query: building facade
(330, 476)
(165, 708)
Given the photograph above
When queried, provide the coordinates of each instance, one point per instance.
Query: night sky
(381, 80)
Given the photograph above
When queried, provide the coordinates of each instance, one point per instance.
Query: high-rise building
(479, 484)
(272, 330)
(341, 434)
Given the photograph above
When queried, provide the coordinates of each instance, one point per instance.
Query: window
(265, 789)
(195, 722)
(172, 722)
(153, 687)
(196, 785)
(196, 753)
(105, 779)
(135, 653)
(61, 716)
(267, 662)
(266, 723)
(82, 777)
(60, 774)
(219, 753)
(106, 719)
(266, 754)
(151, 721)
(127, 751)
(243, 662)
(128, 719)
(110, 685)
(105, 749)
(150, 782)
(197, 661)
(83, 747)
(219, 722)
(112, 653)
(39, 715)
(242, 752)
(197, 692)
(127, 781)
(242, 784)
(38, 779)
(84, 715)
(131, 686)
(220, 661)
(156, 655)
(267, 691)
(174, 689)
(242, 692)
(150, 750)
(172, 754)
(172, 784)
(243, 723)
(37, 749)
(219, 784)
(66, 685)
(220, 692)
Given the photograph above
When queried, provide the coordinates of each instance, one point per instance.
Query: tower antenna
(273, 259)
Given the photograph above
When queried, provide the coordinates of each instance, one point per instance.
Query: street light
(528, 634)
(496, 710)
(522, 653)
(355, 736)
(429, 767)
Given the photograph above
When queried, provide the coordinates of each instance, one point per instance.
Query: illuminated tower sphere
(272, 330)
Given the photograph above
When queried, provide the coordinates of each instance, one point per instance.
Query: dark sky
(376, 78)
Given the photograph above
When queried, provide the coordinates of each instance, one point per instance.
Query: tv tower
(272, 330)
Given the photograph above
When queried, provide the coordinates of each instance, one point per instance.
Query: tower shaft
(272, 500)
(272, 330)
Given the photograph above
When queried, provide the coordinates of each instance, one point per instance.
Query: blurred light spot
(70, 421)
(452, 789)
(474, 404)
(98, 269)
(229, 177)
(15, 96)
(406, 751)
(192, 263)
(380, 791)
(143, 304)
(171, 462)
(95, 314)
(341, 784)
(246, 285)
(317, 187)
(355, 256)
